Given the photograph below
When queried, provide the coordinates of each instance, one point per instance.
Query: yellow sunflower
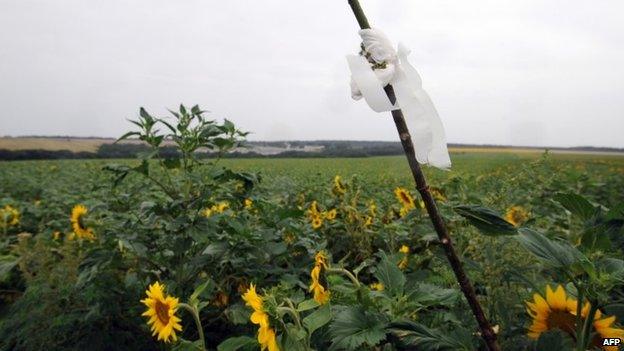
(248, 203)
(221, 206)
(377, 286)
(368, 221)
(516, 215)
(252, 299)
(313, 210)
(404, 197)
(266, 335)
(319, 286)
(289, 238)
(339, 188)
(437, 194)
(161, 311)
(77, 221)
(216, 208)
(321, 259)
(405, 250)
(206, 212)
(316, 221)
(9, 216)
(372, 208)
(331, 214)
(557, 311)
(403, 263)
(321, 295)
(267, 339)
(553, 312)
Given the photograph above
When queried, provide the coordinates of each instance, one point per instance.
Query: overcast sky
(547, 73)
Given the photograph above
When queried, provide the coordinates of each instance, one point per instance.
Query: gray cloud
(508, 72)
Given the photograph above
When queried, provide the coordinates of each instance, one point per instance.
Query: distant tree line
(292, 149)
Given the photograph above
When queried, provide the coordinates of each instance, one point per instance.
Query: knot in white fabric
(378, 49)
(379, 65)
(377, 44)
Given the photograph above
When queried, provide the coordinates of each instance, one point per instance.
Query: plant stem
(200, 329)
(438, 223)
(292, 311)
(588, 323)
(349, 275)
(579, 319)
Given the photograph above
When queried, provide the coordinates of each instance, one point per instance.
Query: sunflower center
(162, 311)
(405, 198)
(80, 222)
(562, 320)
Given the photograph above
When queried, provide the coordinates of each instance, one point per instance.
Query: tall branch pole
(438, 223)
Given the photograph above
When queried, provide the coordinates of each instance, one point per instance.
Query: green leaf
(169, 126)
(120, 171)
(430, 295)
(143, 113)
(143, 168)
(317, 319)
(354, 327)
(187, 345)
(390, 276)
(296, 334)
(294, 339)
(307, 305)
(577, 205)
(237, 314)
(7, 262)
(171, 163)
(554, 340)
(196, 110)
(612, 266)
(275, 249)
(486, 220)
(596, 238)
(414, 335)
(616, 213)
(236, 343)
(126, 136)
(194, 299)
(223, 143)
(216, 249)
(228, 126)
(555, 253)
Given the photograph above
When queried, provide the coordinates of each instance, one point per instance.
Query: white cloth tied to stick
(392, 67)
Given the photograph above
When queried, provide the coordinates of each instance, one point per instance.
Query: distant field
(53, 144)
(92, 145)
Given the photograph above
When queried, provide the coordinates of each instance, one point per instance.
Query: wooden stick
(436, 219)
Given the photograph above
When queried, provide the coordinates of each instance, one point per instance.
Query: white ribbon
(420, 114)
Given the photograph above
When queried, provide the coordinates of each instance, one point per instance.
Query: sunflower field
(175, 252)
